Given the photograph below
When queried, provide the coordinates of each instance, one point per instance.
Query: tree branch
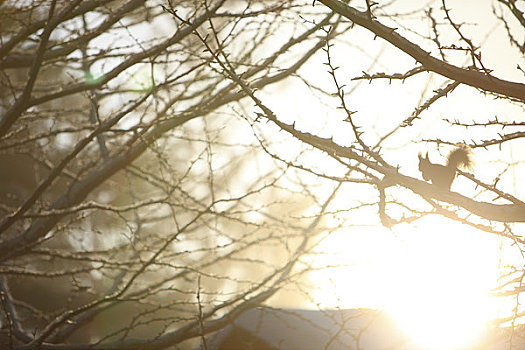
(473, 78)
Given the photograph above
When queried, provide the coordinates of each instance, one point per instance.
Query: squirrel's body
(443, 175)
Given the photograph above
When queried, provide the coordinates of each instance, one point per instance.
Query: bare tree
(157, 181)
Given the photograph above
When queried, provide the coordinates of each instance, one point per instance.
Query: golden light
(442, 300)
(431, 277)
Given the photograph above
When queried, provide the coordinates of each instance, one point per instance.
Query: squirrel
(443, 175)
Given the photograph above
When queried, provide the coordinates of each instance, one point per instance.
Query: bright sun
(434, 278)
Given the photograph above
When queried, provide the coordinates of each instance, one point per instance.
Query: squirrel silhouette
(443, 175)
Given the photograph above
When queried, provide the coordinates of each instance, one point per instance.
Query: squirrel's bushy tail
(459, 157)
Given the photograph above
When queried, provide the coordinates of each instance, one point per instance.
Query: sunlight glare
(428, 276)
